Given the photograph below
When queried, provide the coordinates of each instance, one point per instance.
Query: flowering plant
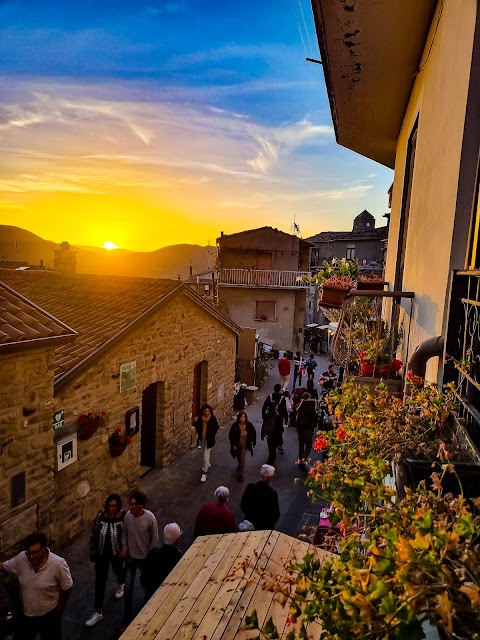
(89, 423)
(346, 282)
(341, 268)
(119, 439)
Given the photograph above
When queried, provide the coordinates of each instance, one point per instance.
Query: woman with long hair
(105, 549)
(206, 426)
(242, 437)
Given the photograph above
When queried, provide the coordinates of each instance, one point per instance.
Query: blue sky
(154, 123)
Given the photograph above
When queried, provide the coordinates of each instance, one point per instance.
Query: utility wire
(306, 29)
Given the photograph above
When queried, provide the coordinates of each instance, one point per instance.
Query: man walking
(45, 583)
(306, 423)
(161, 560)
(140, 534)
(298, 369)
(260, 501)
(311, 366)
(284, 369)
(215, 517)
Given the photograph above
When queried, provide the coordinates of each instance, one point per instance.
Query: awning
(268, 341)
(311, 326)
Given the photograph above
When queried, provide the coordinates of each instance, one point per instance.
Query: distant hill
(169, 262)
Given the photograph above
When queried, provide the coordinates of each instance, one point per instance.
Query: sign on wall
(58, 419)
(128, 376)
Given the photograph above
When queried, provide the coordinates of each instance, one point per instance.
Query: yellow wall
(439, 99)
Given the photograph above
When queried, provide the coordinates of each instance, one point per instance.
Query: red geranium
(341, 433)
(320, 443)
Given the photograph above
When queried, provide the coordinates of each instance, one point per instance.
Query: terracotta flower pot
(368, 369)
(370, 285)
(117, 450)
(84, 433)
(333, 296)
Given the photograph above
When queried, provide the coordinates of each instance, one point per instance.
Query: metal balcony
(263, 278)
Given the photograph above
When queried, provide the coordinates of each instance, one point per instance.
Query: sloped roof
(380, 233)
(99, 307)
(364, 215)
(217, 583)
(23, 324)
(249, 231)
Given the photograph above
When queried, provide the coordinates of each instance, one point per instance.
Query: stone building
(261, 283)
(134, 353)
(364, 243)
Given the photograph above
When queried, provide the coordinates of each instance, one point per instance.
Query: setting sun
(108, 244)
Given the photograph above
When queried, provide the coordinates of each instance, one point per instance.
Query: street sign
(58, 419)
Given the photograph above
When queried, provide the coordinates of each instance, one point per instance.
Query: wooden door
(148, 442)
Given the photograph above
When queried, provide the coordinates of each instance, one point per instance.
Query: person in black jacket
(272, 430)
(260, 501)
(206, 426)
(277, 398)
(161, 560)
(242, 437)
(306, 424)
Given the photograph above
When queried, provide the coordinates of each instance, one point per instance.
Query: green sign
(58, 419)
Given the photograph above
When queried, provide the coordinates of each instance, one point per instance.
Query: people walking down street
(215, 517)
(298, 369)
(243, 438)
(139, 535)
(45, 585)
(161, 560)
(276, 397)
(206, 426)
(272, 430)
(310, 366)
(311, 389)
(284, 370)
(306, 423)
(105, 551)
(260, 501)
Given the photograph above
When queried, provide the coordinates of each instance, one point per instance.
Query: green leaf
(251, 622)
(270, 630)
(465, 526)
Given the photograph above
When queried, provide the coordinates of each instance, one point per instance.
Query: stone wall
(26, 443)
(166, 349)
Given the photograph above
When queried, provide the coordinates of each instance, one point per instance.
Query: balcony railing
(263, 278)
(463, 348)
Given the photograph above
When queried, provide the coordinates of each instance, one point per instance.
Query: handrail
(372, 293)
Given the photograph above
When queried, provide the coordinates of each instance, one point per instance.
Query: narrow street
(176, 494)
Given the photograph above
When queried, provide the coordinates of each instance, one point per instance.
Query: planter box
(333, 296)
(370, 285)
(395, 387)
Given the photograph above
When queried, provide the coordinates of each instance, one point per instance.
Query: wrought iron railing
(463, 348)
(263, 278)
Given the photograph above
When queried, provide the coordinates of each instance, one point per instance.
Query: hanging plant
(89, 423)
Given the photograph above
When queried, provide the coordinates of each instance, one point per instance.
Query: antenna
(295, 228)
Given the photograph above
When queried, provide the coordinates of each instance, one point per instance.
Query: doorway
(199, 396)
(152, 424)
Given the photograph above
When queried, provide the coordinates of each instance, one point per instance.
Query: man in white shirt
(139, 535)
(45, 583)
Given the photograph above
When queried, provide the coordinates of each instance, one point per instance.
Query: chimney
(65, 260)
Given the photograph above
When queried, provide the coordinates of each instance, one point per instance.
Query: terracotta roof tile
(22, 322)
(380, 233)
(97, 307)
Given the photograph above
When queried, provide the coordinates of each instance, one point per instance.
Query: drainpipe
(428, 349)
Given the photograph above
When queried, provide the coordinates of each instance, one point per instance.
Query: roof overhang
(371, 50)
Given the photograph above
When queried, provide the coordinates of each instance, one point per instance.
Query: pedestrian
(45, 585)
(298, 369)
(272, 430)
(243, 437)
(310, 389)
(206, 426)
(260, 501)
(311, 365)
(328, 379)
(161, 560)
(215, 517)
(105, 550)
(306, 423)
(284, 370)
(139, 535)
(278, 398)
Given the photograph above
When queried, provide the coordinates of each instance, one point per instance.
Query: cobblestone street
(175, 495)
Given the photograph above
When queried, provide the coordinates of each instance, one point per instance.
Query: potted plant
(89, 423)
(377, 351)
(370, 282)
(118, 442)
(336, 280)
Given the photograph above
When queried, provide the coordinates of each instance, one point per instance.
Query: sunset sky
(154, 123)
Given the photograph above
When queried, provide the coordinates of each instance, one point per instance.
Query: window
(350, 255)
(265, 310)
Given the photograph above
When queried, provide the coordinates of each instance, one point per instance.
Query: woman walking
(206, 426)
(272, 430)
(105, 549)
(242, 436)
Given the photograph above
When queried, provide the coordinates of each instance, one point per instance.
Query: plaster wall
(439, 101)
(368, 250)
(240, 304)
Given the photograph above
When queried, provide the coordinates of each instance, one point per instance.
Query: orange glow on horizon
(109, 245)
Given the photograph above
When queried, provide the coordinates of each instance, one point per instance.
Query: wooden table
(217, 583)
